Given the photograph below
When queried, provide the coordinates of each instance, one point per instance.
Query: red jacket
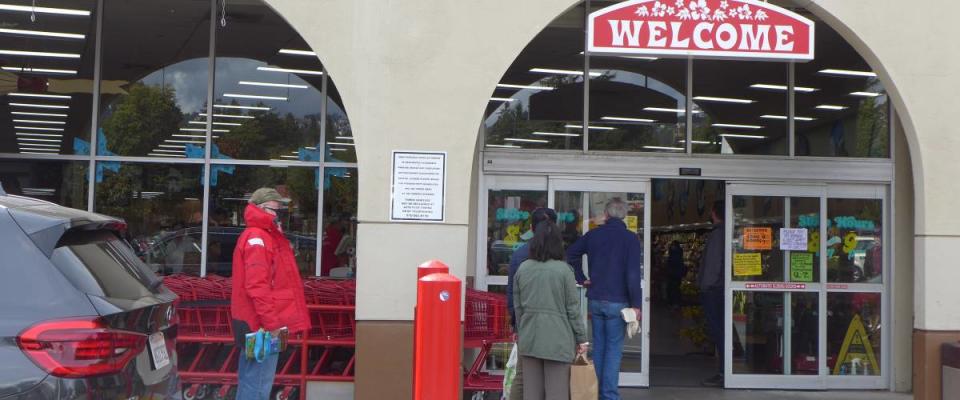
(267, 291)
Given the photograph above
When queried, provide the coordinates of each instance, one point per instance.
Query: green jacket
(549, 323)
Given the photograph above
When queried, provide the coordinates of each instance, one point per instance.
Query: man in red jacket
(267, 291)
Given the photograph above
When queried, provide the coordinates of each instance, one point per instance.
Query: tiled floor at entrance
(678, 393)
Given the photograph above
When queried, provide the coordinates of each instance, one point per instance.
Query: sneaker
(714, 381)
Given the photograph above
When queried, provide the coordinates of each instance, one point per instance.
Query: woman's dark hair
(546, 243)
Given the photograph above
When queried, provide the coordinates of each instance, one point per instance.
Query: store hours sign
(731, 29)
(418, 186)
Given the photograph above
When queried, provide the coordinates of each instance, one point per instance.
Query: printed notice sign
(747, 264)
(633, 223)
(801, 267)
(418, 186)
(793, 239)
(758, 238)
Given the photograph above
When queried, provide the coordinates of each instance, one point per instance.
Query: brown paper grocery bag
(583, 379)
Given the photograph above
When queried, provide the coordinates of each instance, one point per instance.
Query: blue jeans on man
(255, 379)
(609, 330)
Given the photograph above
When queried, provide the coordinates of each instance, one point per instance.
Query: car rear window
(99, 263)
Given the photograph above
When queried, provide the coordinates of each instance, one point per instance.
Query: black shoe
(714, 381)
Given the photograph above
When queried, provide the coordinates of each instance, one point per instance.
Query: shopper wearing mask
(550, 328)
(267, 291)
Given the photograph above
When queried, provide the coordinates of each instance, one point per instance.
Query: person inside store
(520, 255)
(676, 270)
(550, 326)
(615, 258)
(710, 281)
(332, 236)
(267, 290)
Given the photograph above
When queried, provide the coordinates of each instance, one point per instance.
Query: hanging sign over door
(730, 29)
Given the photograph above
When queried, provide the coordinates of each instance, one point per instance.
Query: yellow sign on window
(747, 264)
(632, 223)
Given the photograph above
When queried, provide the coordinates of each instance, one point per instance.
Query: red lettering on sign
(778, 286)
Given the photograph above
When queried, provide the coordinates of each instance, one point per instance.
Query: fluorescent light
(33, 152)
(338, 149)
(44, 10)
(697, 142)
(241, 107)
(173, 146)
(338, 138)
(830, 107)
(599, 128)
(38, 128)
(297, 52)
(556, 134)
(531, 87)
(505, 146)
(47, 190)
(229, 116)
(847, 72)
(168, 151)
(340, 144)
(39, 54)
(202, 130)
(526, 140)
(865, 94)
(732, 135)
(270, 84)
(625, 119)
(285, 156)
(737, 126)
(664, 148)
(46, 96)
(562, 71)
(800, 89)
(254, 96)
(38, 121)
(310, 148)
(42, 33)
(723, 99)
(292, 71)
(39, 105)
(56, 150)
(40, 70)
(41, 145)
(784, 117)
(40, 140)
(39, 134)
(166, 155)
(182, 141)
(501, 99)
(668, 110)
(189, 136)
(215, 123)
(36, 114)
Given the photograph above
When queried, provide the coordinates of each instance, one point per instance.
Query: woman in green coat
(550, 331)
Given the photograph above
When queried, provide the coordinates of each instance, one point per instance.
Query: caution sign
(856, 354)
(758, 238)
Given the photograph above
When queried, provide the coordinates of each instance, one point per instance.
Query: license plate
(158, 351)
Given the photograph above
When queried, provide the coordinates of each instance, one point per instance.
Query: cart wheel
(478, 396)
(283, 395)
(223, 394)
(202, 392)
(189, 394)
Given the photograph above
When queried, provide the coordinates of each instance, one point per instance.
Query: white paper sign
(793, 239)
(418, 186)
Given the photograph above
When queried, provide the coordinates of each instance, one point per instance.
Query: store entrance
(681, 352)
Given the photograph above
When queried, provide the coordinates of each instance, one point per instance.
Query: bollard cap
(431, 267)
(440, 277)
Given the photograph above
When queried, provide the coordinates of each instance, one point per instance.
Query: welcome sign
(731, 29)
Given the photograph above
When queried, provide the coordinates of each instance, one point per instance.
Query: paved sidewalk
(680, 393)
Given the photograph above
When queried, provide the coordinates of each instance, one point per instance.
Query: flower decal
(642, 11)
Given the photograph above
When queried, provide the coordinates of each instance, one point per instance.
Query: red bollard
(436, 344)
(432, 267)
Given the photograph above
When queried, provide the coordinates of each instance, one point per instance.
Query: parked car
(81, 317)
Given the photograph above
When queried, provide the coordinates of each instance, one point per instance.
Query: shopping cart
(485, 324)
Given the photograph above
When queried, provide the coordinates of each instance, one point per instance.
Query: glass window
(757, 332)
(230, 189)
(638, 104)
(847, 112)
(756, 230)
(854, 333)
(161, 204)
(509, 216)
(61, 182)
(267, 94)
(47, 72)
(740, 107)
(538, 103)
(340, 145)
(855, 240)
(339, 245)
(805, 333)
(804, 266)
(155, 75)
(100, 264)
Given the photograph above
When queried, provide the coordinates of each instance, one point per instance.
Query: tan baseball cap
(266, 194)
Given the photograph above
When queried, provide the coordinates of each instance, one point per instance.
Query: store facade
(424, 75)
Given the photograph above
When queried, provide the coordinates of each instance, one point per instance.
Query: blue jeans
(255, 379)
(608, 332)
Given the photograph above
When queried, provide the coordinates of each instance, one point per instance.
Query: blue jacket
(519, 256)
(615, 255)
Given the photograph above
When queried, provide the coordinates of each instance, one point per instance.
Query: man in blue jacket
(615, 258)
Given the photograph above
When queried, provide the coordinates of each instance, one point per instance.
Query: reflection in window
(638, 104)
(758, 331)
(230, 189)
(161, 205)
(509, 216)
(855, 240)
(154, 77)
(340, 144)
(60, 182)
(47, 70)
(756, 230)
(338, 248)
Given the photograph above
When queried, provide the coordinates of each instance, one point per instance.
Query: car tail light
(80, 348)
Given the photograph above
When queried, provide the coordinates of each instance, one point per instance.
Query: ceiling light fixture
(254, 96)
(44, 10)
(240, 107)
(169, 151)
(597, 127)
(38, 121)
(39, 146)
(664, 148)
(519, 140)
(668, 110)
(39, 54)
(865, 94)
(554, 71)
(173, 146)
(270, 84)
(625, 119)
(39, 134)
(738, 126)
(297, 52)
(556, 134)
(46, 96)
(40, 70)
(340, 144)
(732, 135)
(183, 141)
(286, 156)
(801, 89)
(830, 107)
(501, 99)
(36, 114)
(229, 116)
(784, 117)
(505, 146)
(40, 140)
(723, 99)
(847, 72)
(57, 106)
(697, 141)
(202, 130)
(164, 155)
(38, 128)
(189, 136)
(292, 71)
(43, 33)
(216, 123)
(531, 87)
(338, 138)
